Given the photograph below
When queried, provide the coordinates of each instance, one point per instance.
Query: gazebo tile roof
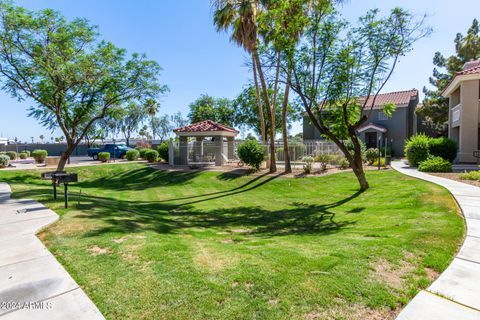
(205, 126)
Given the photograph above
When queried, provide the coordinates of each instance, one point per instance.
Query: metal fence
(206, 152)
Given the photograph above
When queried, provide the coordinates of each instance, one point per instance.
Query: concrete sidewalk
(456, 293)
(33, 284)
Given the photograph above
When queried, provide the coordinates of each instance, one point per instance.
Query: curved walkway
(33, 284)
(456, 293)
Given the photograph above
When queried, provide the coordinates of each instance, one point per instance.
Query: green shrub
(472, 175)
(4, 161)
(371, 155)
(349, 145)
(104, 156)
(343, 163)
(417, 149)
(12, 155)
(142, 152)
(132, 155)
(151, 155)
(324, 159)
(23, 155)
(27, 152)
(163, 150)
(382, 162)
(443, 147)
(308, 166)
(435, 164)
(39, 155)
(251, 153)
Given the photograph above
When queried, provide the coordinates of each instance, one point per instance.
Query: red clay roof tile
(205, 126)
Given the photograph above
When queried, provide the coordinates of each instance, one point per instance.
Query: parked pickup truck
(116, 151)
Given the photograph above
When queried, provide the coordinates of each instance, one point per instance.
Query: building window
(382, 116)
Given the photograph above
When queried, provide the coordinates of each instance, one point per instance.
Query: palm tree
(152, 108)
(241, 16)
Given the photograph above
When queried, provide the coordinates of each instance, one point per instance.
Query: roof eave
(456, 82)
(206, 133)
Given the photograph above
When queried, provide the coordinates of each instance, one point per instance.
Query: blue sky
(196, 59)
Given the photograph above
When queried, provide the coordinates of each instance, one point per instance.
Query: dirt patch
(96, 250)
(120, 240)
(456, 177)
(212, 261)
(351, 312)
(393, 275)
(431, 274)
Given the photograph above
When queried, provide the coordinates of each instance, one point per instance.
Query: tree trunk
(66, 154)
(288, 166)
(357, 167)
(271, 116)
(259, 101)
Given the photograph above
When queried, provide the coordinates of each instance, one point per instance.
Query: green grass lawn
(147, 244)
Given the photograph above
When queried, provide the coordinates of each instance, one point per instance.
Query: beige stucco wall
(469, 99)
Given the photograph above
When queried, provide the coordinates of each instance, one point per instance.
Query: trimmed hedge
(163, 150)
(39, 155)
(251, 153)
(132, 155)
(23, 155)
(472, 175)
(435, 164)
(417, 149)
(142, 152)
(151, 155)
(4, 161)
(443, 147)
(104, 156)
(11, 154)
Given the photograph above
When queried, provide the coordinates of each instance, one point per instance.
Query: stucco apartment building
(395, 129)
(464, 116)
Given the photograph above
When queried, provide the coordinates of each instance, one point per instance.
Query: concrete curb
(33, 284)
(455, 294)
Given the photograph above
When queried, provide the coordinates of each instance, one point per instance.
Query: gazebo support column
(198, 154)
(219, 161)
(231, 153)
(183, 145)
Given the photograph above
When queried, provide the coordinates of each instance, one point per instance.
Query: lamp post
(16, 144)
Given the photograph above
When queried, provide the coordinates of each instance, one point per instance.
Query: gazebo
(200, 131)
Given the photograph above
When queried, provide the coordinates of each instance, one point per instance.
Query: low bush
(371, 155)
(104, 156)
(350, 147)
(472, 175)
(251, 153)
(382, 162)
(417, 149)
(308, 166)
(142, 152)
(435, 164)
(443, 147)
(163, 150)
(4, 161)
(343, 163)
(27, 152)
(23, 155)
(12, 155)
(151, 155)
(132, 155)
(39, 155)
(324, 159)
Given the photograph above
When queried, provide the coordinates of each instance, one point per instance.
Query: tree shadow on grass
(136, 216)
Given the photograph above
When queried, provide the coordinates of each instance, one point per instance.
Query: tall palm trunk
(288, 166)
(259, 101)
(271, 116)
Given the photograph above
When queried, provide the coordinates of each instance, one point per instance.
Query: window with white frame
(382, 116)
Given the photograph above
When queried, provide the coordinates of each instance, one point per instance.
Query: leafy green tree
(72, 77)
(130, 119)
(337, 64)
(162, 127)
(435, 107)
(178, 120)
(209, 108)
(246, 112)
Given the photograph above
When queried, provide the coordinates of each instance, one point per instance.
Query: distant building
(396, 129)
(3, 141)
